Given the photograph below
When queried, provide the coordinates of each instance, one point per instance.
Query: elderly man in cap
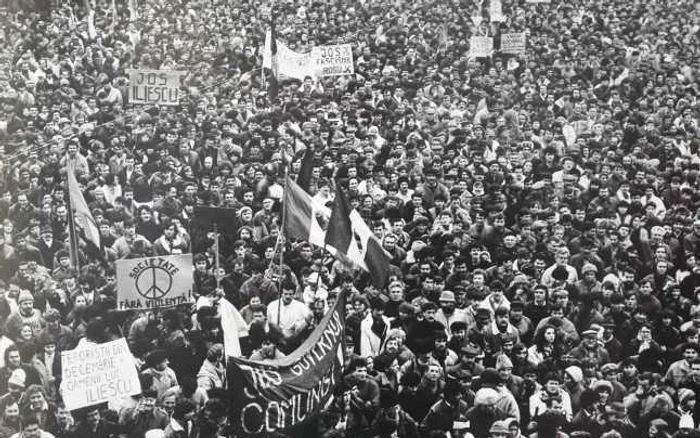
(447, 314)
(590, 346)
(48, 246)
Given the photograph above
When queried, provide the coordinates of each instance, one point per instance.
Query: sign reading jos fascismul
(154, 86)
(270, 397)
(96, 373)
(154, 282)
(333, 60)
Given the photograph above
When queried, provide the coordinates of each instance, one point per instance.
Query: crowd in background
(540, 210)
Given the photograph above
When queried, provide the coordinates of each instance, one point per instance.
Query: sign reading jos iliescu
(154, 282)
(154, 87)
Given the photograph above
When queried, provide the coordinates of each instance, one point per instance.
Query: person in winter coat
(212, 374)
(181, 422)
(373, 329)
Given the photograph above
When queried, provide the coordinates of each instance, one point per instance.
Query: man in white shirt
(292, 316)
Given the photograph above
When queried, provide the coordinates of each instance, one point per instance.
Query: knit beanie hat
(24, 296)
(575, 373)
(486, 396)
(503, 361)
(18, 378)
(685, 394)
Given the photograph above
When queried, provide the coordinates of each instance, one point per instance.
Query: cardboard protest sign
(480, 46)
(333, 60)
(154, 87)
(154, 282)
(272, 396)
(513, 43)
(496, 11)
(96, 373)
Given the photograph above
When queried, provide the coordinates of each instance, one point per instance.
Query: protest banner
(154, 87)
(272, 396)
(290, 64)
(480, 46)
(96, 373)
(154, 282)
(513, 43)
(333, 60)
(496, 11)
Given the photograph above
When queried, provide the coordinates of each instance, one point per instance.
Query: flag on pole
(133, 11)
(273, 87)
(371, 256)
(339, 233)
(300, 215)
(307, 167)
(115, 17)
(233, 327)
(81, 212)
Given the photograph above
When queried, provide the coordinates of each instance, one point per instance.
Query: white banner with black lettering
(96, 373)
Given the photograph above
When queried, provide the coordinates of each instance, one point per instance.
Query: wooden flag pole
(217, 262)
(281, 246)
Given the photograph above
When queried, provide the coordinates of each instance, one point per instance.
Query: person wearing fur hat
(484, 412)
(26, 314)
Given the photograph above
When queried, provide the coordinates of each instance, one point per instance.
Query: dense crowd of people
(540, 211)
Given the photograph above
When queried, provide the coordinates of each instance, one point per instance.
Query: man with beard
(448, 314)
(48, 247)
(459, 336)
(441, 353)
(501, 328)
(26, 314)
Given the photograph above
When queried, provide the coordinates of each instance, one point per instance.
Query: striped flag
(371, 256)
(301, 221)
(81, 212)
(354, 241)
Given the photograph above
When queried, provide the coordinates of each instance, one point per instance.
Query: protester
(538, 210)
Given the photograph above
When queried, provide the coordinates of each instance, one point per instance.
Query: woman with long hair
(548, 344)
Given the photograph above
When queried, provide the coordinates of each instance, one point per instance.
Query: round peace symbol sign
(154, 282)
